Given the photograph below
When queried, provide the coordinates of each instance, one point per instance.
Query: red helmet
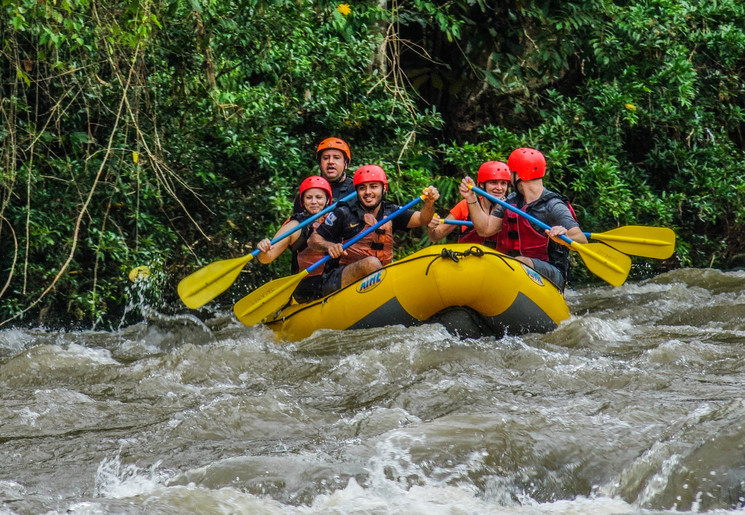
(528, 163)
(336, 144)
(493, 171)
(370, 173)
(315, 181)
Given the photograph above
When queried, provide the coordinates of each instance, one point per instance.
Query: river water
(634, 405)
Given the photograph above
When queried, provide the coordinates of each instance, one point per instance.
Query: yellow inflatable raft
(471, 289)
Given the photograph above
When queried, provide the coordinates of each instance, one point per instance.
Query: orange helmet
(528, 163)
(370, 173)
(316, 181)
(336, 144)
(493, 171)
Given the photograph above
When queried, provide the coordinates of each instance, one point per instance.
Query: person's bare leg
(359, 269)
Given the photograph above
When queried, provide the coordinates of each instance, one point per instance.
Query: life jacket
(302, 255)
(518, 237)
(471, 235)
(379, 243)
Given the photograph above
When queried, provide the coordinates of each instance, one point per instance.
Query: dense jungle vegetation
(171, 133)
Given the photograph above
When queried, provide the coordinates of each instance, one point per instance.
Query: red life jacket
(518, 237)
(470, 234)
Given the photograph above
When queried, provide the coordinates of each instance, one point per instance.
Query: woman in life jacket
(314, 195)
(493, 177)
(542, 250)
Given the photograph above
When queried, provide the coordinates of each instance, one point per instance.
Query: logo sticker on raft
(533, 274)
(371, 281)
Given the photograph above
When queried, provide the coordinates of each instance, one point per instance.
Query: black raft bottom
(523, 316)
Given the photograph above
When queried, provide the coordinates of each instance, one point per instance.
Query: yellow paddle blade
(267, 300)
(205, 284)
(610, 265)
(639, 240)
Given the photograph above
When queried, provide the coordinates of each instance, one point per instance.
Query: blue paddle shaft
(457, 222)
(520, 212)
(367, 231)
(468, 223)
(308, 221)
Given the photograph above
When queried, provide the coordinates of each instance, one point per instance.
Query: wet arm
(483, 222)
(271, 252)
(438, 230)
(423, 217)
(574, 234)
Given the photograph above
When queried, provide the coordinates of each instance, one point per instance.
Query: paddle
(609, 264)
(639, 240)
(270, 298)
(635, 240)
(205, 284)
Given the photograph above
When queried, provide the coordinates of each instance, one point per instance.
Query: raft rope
(473, 251)
(455, 256)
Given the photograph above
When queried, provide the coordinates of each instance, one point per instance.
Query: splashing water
(634, 405)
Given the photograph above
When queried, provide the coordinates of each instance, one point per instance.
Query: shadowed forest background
(171, 133)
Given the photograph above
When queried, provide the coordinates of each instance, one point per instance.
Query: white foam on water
(452, 500)
(395, 483)
(15, 339)
(94, 355)
(593, 331)
(184, 499)
(11, 491)
(416, 500)
(28, 416)
(116, 480)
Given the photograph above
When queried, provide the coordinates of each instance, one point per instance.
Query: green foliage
(171, 132)
(174, 133)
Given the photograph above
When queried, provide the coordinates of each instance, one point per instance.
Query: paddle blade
(610, 265)
(639, 240)
(205, 284)
(267, 300)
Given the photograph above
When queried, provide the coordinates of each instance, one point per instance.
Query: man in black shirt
(333, 156)
(346, 221)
